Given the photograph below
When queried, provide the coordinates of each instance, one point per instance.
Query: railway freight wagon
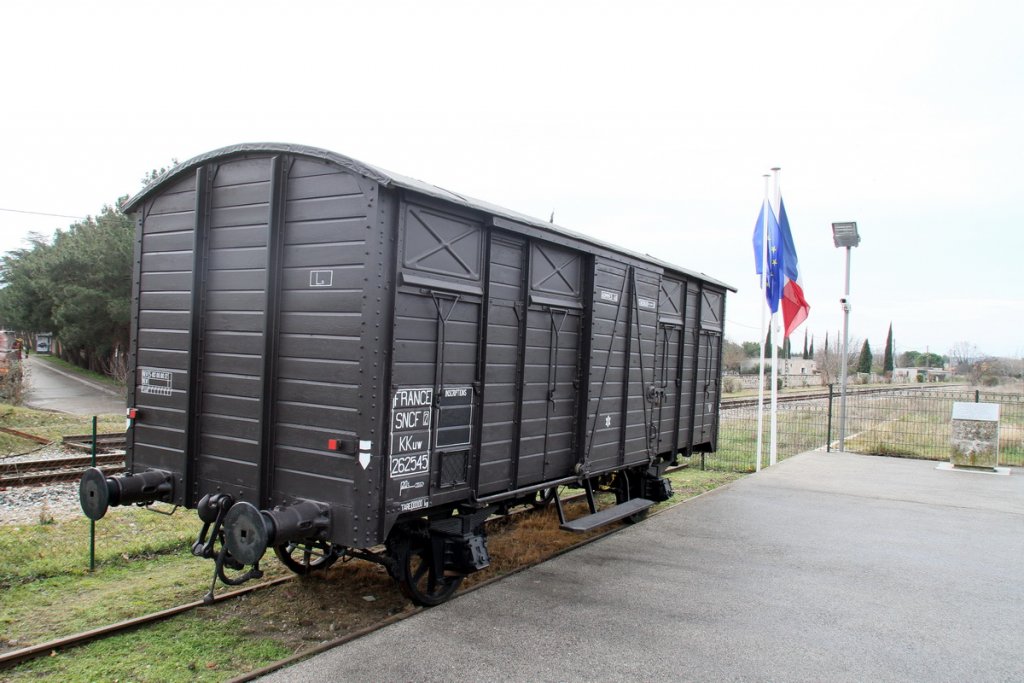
(328, 357)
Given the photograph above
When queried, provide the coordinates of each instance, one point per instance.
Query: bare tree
(962, 355)
(732, 356)
(829, 359)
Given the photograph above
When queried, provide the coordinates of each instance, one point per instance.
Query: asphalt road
(828, 567)
(50, 388)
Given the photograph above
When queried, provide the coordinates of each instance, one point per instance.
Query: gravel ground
(30, 504)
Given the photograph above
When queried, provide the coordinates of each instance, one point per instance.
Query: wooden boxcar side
(328, 356)
(522, 357)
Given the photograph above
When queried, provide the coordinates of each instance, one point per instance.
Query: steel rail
(52, 476)
(39, 464)
(34, 651)
(744, 402)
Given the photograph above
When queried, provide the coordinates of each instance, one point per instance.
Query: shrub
(12, 383)
(730, 385)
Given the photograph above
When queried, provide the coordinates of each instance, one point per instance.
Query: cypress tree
(805, 356)
(864, 363)
(887, 364)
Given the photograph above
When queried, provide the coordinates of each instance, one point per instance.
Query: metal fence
(912, 422)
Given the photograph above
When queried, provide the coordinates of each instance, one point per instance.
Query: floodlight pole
(845, 301)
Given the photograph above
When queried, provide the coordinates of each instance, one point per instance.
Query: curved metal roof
(390, 179)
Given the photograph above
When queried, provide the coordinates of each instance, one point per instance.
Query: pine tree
(864, 363)
(887, 364)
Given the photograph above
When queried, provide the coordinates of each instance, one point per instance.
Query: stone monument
(975, 436)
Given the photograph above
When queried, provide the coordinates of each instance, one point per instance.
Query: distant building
(911, 375)
(797, 366)
(795, 372)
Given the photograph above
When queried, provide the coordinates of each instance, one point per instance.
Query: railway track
(746, 402)
(104, 442)
(54, 470)
(22, 655)
(44, 649)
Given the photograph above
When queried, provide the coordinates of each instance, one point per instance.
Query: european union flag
(776, 268)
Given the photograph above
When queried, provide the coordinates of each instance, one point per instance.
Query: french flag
(794, 306)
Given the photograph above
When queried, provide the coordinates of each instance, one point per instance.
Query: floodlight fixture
(845, 234)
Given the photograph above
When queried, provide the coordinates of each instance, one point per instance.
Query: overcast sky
(644, 124)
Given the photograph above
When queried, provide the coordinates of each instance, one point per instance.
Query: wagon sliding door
(708, 372)
(503, 363)
(551, 364)
(624, 386)
(435, 380)
(531, 370)
(669, 363)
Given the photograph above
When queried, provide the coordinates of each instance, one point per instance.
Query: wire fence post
(92, 522)
(828, 436)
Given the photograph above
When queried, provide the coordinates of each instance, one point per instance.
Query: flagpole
(774, 443)
(764, 304)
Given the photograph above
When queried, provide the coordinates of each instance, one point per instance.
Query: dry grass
(1011, 436)
(288, 618)
(523, 540)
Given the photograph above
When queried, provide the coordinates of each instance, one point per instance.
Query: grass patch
(63, 605)
(143, 564)
(799, 430)
(194, 647)
(145, 568)
(29, 552)
(49, 425)
(690, 482)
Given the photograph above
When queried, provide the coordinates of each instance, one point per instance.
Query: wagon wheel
(304, 557)
(413, 553)
(543, 497)
(626, 487)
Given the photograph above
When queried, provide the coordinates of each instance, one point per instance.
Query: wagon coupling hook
(212, 509)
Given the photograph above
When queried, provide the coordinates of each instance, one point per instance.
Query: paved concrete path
(828, 567)
(51, 388)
